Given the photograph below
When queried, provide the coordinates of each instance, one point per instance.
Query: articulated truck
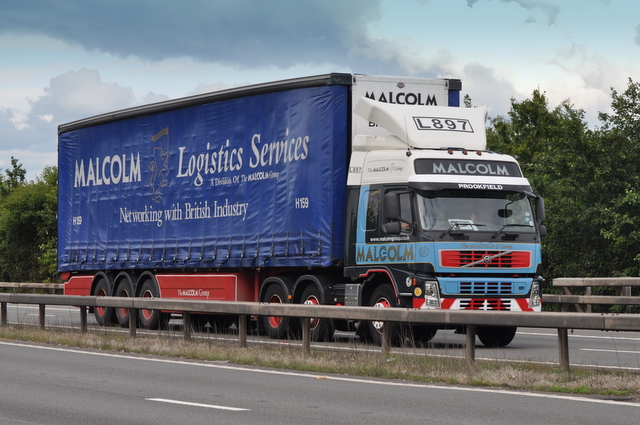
(338, 189)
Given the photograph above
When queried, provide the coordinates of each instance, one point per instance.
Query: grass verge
(423, 367)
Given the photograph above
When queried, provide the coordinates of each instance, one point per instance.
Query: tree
(28, 230)
(551, 148)
(590, 180)
(618, 178)
(15, 178)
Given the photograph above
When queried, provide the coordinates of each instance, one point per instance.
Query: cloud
(539, 11)
(485, 87)
(244, 33)
(31, 137)
(78, 94)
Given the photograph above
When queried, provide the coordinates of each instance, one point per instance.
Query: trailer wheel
(384, 297)
(104, 315)
(321, 329)
(152, 319)
(275, 327)
(122, 314)
(496, 336)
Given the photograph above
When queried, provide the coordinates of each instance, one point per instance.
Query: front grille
(485, 304)
(486, 288)
(485, 259)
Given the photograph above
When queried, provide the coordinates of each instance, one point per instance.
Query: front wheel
(496, 336)
(383, 297)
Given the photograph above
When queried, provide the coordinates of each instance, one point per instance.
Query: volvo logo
(486, 259)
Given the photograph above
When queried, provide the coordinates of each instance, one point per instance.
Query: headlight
(432, 294)
(534, 301)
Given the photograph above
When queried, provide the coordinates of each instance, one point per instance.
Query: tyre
(105, 316)
(496, 336)
(123, 289)
(275, 327)
(384, 297)
(152, 319)
(320, 329)
(422, 334)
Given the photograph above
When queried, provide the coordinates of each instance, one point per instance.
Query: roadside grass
(422, 366)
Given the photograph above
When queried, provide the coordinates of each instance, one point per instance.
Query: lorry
(337, 189)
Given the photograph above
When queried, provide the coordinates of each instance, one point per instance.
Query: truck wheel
(321, 329)
(275, 327)
(422, 334)
(383, 296)
(104, 315)
(496, 336)
(152, 319)
(122, 314)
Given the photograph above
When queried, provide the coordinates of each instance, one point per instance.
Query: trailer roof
(234, 92)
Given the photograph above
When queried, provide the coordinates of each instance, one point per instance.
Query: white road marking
(610, 351)
(187, 403)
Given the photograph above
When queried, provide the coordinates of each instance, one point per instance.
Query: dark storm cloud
(246, 33)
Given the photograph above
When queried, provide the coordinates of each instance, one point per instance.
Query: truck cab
(444, 222)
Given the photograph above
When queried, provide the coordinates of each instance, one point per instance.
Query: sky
(64, 60)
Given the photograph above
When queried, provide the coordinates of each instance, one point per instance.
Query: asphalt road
(54, 385)
(605, 350)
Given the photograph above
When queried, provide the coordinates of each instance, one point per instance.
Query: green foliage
(28, 227)
(14, 179)
(590, 180)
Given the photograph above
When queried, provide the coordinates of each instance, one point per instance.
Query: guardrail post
(133, 322)
(83, 319)
(625, 291)
(242, 330)
(386, 339)
(186, 325)
(470, 345)
(563, 348)
(306, 335)
(41, 315)
(3, 314)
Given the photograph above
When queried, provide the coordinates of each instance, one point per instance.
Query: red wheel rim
(101, 310)
(274, 321)
(381, 303)
(146, 313)
(312, 300)
(124, 312)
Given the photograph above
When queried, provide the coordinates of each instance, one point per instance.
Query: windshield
(469, 210)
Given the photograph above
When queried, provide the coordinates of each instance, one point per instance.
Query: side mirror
(543, 230)
(393, 228)
(391, 206)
